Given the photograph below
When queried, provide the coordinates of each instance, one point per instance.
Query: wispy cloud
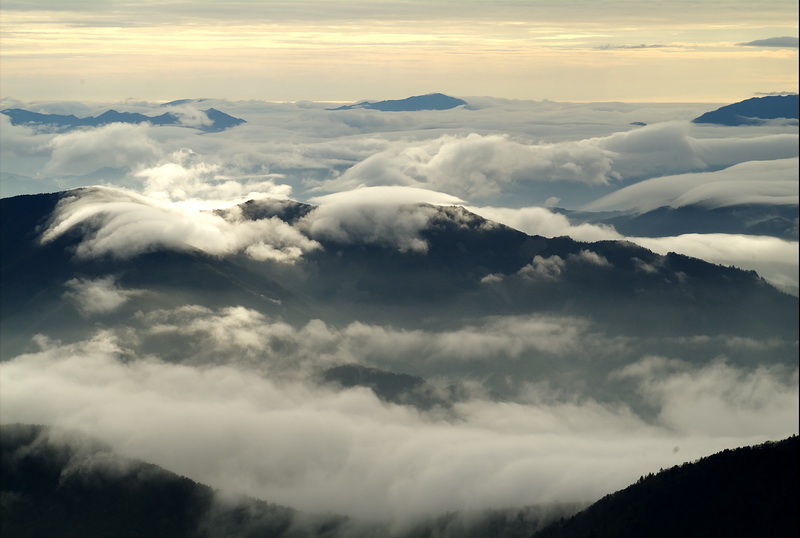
(98, 296)
(633, 47)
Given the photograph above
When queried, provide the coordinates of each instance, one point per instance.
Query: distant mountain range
(751, 491)
(753, 111)
(218, 121)
(431, 101)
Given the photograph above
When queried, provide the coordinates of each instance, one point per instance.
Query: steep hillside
(751, 491)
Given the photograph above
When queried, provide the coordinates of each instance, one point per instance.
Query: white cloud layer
(299, 445)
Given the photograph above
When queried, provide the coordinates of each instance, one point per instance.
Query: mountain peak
(430, 101)
(753, 111)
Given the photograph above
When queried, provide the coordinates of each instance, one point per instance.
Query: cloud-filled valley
(301, 445)
(501, 305)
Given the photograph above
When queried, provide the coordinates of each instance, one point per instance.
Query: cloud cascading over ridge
(544, 222)
(375, 215)
(123, 224)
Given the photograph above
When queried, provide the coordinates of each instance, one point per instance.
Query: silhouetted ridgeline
(747, 492)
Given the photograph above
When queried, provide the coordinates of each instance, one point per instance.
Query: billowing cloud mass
(771, 182)
(542, 221)
(689, 398)
(299, 445)
(115, 145)
(380, 215)
(478, 166)
(123, 224)
(189, 180)
(97, 296)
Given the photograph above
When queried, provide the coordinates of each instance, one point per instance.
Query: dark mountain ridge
(219, 121)
(471, 266)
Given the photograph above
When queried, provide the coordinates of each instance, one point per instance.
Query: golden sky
(630, 50)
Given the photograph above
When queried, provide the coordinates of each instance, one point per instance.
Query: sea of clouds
(237, 403)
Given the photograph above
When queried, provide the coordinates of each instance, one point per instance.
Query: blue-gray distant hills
(753, 111)
(431, 101)
(219, 121)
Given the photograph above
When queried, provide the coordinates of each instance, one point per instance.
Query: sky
(629, 50)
